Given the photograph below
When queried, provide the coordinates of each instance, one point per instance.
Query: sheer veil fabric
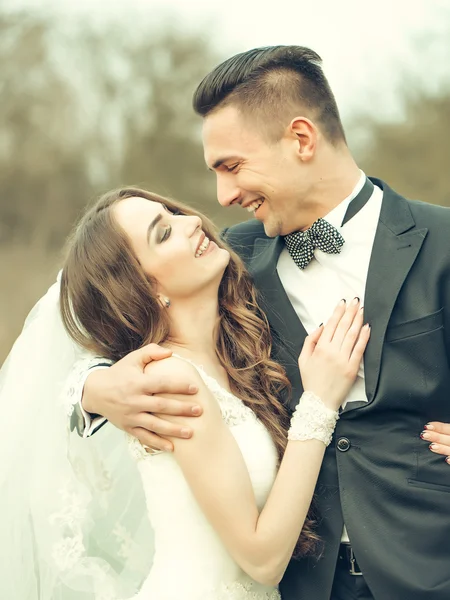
(73, 517)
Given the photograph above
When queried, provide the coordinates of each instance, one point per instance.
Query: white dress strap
(234, 411)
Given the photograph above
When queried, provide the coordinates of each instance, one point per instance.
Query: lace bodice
(190, 561)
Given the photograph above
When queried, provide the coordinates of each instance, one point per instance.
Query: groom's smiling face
(267, 178)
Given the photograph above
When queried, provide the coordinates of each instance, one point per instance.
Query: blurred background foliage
(85, 109)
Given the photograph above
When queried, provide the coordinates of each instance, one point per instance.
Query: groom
(273, 136)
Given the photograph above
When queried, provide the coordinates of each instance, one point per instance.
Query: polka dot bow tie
(321, 235)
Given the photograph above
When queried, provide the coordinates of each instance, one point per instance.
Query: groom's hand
(127, 394)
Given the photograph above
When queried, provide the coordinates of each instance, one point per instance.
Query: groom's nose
(227, 192)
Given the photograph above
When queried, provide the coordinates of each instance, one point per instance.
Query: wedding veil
(73, 520)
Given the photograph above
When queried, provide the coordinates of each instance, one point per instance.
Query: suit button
(343, 444)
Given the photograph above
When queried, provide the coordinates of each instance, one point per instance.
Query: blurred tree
(412, 154)
(150, 94)
(42, 172)
(83, 110)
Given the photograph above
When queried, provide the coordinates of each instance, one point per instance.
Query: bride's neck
(193, 328)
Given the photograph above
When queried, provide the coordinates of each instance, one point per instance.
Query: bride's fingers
(438, 436)
(352, 334)
(332, 323)
(310, 343)
(358, 350)
(345, 323)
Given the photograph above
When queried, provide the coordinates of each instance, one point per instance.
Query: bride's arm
(262, 543)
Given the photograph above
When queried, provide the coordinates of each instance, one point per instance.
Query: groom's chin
(271, 229)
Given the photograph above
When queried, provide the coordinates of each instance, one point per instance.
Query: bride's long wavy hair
(109, 306)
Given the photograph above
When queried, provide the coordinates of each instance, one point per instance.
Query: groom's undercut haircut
(272, 85)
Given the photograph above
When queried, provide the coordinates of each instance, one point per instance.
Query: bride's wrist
(312, 419)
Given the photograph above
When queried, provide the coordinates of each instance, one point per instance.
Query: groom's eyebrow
(152, 226)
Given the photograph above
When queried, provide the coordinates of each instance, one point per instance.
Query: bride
(221, 516)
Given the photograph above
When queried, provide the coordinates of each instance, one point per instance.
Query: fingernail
(367, 326)
(167, 448)
(185, 433)
(355, 300)
(196, 410)
(447, 460)
(193, 389)
(429, 427)
(320, 325)
(425, 435)
(343, 301)
(433, 446)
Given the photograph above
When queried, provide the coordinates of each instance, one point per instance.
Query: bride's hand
(331, 355)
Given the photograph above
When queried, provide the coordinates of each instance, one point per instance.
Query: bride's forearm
(260, 542)
(269, 545)
(280, 523)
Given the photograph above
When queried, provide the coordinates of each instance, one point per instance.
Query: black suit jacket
(391, 491)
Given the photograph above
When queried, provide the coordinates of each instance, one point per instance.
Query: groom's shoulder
(424, 212)
(433, 214)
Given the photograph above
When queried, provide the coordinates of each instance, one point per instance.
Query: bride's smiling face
(171, 248)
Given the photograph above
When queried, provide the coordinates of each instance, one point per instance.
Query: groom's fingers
(156, 381)
(167, 406)
(152, 441)
(157, 424)
(147, 354)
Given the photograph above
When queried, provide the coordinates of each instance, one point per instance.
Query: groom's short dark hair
(272, 84)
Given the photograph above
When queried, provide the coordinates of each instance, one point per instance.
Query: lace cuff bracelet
(312, 420)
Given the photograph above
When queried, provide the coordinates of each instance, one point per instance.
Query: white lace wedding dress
(191, 562)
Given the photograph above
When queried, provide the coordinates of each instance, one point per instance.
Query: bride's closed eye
(166, 234)
(168, 229)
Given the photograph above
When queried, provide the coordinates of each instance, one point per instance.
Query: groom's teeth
(202, 247)
(254, 205)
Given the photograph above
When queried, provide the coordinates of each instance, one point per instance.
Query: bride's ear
(163, 300)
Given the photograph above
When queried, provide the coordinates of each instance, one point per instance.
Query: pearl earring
(167, 302)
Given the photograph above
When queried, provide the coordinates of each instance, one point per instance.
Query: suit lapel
(287, 330)
(275, 303)
(396, 246)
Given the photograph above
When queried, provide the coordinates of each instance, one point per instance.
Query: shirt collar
(336, 216)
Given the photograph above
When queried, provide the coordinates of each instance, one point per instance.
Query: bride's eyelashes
(168, 229)
(166, 234)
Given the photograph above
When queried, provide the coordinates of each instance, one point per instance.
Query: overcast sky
(366, 45)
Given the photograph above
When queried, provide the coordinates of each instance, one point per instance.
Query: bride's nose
(195, 223)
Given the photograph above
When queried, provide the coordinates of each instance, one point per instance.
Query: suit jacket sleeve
(86, 424)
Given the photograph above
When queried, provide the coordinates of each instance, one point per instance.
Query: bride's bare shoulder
(172, 366)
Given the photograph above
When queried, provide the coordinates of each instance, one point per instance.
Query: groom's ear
(304, 134)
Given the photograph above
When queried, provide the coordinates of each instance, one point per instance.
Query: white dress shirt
(315, 291)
